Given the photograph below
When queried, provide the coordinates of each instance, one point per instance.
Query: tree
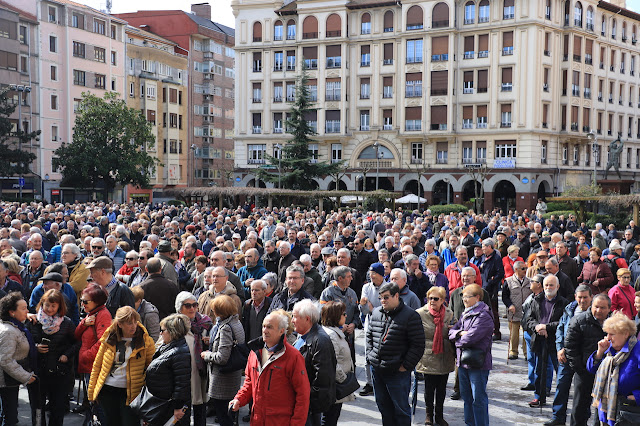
(14, 160)
(108, 146)
(295, 168)
(479, 175)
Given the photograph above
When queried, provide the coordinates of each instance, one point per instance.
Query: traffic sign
(21, 182)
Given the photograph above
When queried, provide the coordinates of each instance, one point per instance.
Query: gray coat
(343, 357)
(224, 385)
(14, 347)
(431, 363)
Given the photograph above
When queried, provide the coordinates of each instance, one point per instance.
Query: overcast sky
(221, 8)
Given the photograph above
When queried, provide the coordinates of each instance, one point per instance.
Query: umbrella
(411, 199)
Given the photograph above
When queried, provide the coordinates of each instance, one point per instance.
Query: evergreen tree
(296, 169)
(14, 160)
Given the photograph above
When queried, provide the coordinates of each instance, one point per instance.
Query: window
(151, 116)
(416, 153)
(589, 18)
(413, 119)
(481, 117)
(333, 26)
(277, 31)
(114, 32)
(483, 81)
(413, 85)
(439, 117)
(24, 64)
(439, 49)
(278, 61)
(54, 73)
(54, 102)
(467, 117)
(132, 89)
(365, 88)
(23, 36)
(467, 153)
(291, 60)
(565, 154)
(291, 30)
(439, 83)
(99, 53)
(469, 13)
(387, 119)
(78, 49)
(313, 150)
(310, 28)
(332, 121)
(507, 79)
(257, 92)
(100, 81)
(151, 92)
(365, 56)
(336, 152)
(509, 10)
(334, 60)
(481, 152)
(442, 152)
(98, 26)
(257, 31)
(387, 87)
(543, 152)
(114, 57)
(78, 78)
(76, 105)
(53, 12)
(547, 10)
(507, 43)
(312, 86)
(53, 44)
(310, 56)
(256, 153)
(414, 18)
(7, 29)
(54, 133)
(388, 21)
(277, 92)
(483, 11)
(277, 122)
(505, 115)
(257, 123)
(440, 15)
(388, 54)
(77, 20)
(365, 120)
(506, 149)
(173, 120)
(365, 24)
(469, 50)
(577, 14)
(414, 51)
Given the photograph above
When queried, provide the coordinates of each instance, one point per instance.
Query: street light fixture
(593, 138)
(279, 148)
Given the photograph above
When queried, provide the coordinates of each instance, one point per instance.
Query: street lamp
(593, 138)
(193, 163)
(376, 146)
(20, 89)
(279, 148)
(446, 180)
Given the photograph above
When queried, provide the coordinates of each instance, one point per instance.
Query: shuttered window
(439, 83)
(440, 45)
(415, 20)
(439, 115)
(586, 117)
(483, 76)
(310, 52)
(507, 75)
(413, 113)
(257, 31)
(483, 42)
(310, 27)
(388, 21)
(467, 113)
(577, 48)
(333, 51)
(468, 43)
(333, 25)
(440, 15)
(507, 39)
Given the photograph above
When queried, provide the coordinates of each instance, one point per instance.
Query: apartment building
(157, 85)
(19, 74)
(437, 89)
(211, 65)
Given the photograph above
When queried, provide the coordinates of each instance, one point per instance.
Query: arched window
(333, 25)
(440, 15)
(483, 11)
(310, 27)
(415, 20)
(365, 23)
(589, 18)
(277, 30)
(613, 29)
(388, 21)
(567, 11)
(577, 14)
(291, 29)
(257, 31)
(469, 12)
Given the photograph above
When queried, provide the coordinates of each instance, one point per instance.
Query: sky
(221, 9)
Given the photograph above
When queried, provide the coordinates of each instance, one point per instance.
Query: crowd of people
(184, 312)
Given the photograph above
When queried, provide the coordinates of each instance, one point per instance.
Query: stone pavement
(508, 405)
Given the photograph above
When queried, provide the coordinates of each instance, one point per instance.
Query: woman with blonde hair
(615, 365)
(623, 294)
(118, 372)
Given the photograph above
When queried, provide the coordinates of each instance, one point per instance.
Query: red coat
(601, 272)
(90, 336)
(455, 281)
(507, 263)
(280, 392)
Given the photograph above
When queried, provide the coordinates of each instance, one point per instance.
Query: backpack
(611, 261)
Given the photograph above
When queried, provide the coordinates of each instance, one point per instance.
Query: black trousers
(222, 411)
(9, 408)
(50, 390)
(496, 315)
(330, 417)
(113, 402)
(582, 386)
(435, 385)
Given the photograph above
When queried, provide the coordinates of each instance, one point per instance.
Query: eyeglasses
(523, 269)
(85, 302)
(162, 330)
(96, 247)
(190, 305)
(626, 277)
(131, 258)
(387, 297)
(434, 299)
(468, 297)
(142, 258)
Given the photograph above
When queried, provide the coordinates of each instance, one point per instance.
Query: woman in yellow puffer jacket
(118, 372)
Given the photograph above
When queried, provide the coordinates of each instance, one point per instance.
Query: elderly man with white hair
(35, 242)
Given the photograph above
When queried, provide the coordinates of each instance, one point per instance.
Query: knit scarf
(432, 276)
(605, 385)
(438, 319)
(33, 352)
(198, 325)
(50, 324)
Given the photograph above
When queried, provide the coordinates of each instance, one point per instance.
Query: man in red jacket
(275, 378)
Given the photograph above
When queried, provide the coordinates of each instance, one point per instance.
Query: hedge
(447, 208)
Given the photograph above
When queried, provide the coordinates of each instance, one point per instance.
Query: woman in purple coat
(474, 331)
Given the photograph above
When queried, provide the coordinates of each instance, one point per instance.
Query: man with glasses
(140, 274)
(252, 270)
(97, 247)
(515, 291)
(255, 310)
(566, 287)
(394, 345)
(293, 291)
(101, 270)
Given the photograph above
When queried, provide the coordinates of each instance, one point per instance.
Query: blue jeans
(532, 358)
(473, 389)
(563, 386)
(391, 390)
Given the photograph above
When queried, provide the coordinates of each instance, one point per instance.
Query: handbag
(237, 358)
(346, 388)
(628, 413)
(150, 408)
(473, 358)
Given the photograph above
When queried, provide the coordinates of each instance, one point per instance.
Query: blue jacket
(54, 254)
(563, 325)
(70, 298)
(448, 257)
(629, 376)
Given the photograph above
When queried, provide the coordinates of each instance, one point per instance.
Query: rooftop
(26, 16)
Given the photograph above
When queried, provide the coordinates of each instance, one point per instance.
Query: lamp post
(279, 148)
(376, 146)
(446, 180)
(45, 180)
(20, 89)
(594, 147)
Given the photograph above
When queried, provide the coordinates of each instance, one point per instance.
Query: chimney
(202, 10)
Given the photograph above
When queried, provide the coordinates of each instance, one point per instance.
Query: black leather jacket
(534, 319)
(320, 360)
(581, 340)
(169, 374)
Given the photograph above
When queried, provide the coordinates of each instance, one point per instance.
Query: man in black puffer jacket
(395, 343)
(581, 340)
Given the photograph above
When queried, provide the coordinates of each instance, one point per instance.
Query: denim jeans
(532, 358)
(473, 389)
(563, 386)
(391, 390)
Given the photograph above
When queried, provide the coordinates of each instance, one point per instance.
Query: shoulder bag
(150, 408)
(346, 388)
(237, 358)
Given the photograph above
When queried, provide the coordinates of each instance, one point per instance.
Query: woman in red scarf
(439, 356)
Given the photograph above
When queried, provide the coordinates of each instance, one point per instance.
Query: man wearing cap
(101, 269)
(54, 281)
(368, 302)
(502, 244)
(615, 258)
(522, 241)
(168, 270)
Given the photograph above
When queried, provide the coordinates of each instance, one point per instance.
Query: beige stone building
(157, 85)
(436, 89)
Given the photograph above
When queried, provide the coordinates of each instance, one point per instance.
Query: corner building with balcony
(422, 93)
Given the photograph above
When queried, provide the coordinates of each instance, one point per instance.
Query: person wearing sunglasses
(438, 358)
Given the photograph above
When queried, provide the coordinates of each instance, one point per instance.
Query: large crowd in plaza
(173, 314)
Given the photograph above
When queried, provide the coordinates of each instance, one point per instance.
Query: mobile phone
(45, 341)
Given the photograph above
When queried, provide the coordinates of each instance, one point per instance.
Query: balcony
(332, 126)
(365, 128)
(545, 87)
(601, 65)
(481, 124)
(416, 160)
(507, 87)
(277, 130)
(413, 92)
(257, 100)
(574, 127)
(278, 66)
(505, 125)
(414, 59)
(332, 96)
(467, 160)
(387, 92)
(438, 92)
(547, 53)
(291, 98)
(257, 39)
(256, 161)
(387, 127)
(372, 164)
(587, 93)
(600, 97)
(577, 22)
(588, 60)
(277, 99)
(387, 62)
(577, 58)
(483, 19)
(467, 90)
(634, 40)
(388, 29)
(311, 64)
(306, 36)
(575, 92)
(441, 126)
(331, 34)
(439, 58)
(589, 27)
(413, 125)
(257, 130)
(468, 21)
(545, 125)
(469, 55)
(483, 54)
(467, 124)
(414, 27)
(257, 66)
(365, 96)
(334, 62)
(482, 90)
(507, 51)
(440, 24)
(365, 63)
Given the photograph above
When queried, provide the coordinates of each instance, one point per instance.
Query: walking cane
(543, 373)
